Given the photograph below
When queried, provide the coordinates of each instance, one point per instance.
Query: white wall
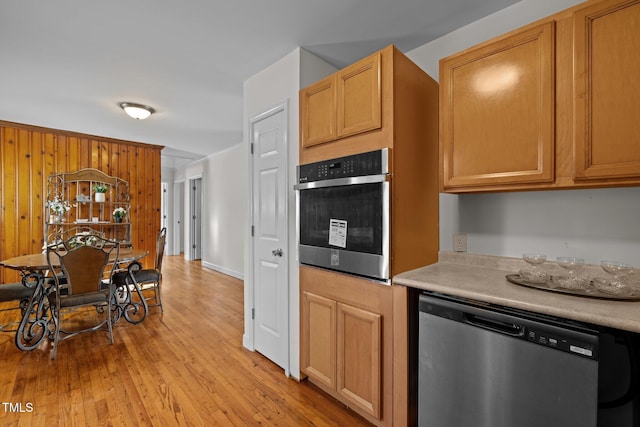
(224, 206)
(224, 186)
(273, 86)
(594, 224)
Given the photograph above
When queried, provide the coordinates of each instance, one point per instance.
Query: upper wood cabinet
(551, 105)
(607, 98)
(318, 112)
(345, 103)
(497, 111)
(358, 97)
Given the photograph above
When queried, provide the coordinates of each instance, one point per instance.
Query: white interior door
(196, 221)
(270, 257)
(164, 215)
(178, 217)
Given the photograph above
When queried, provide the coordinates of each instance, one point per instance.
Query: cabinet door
(318, 112)
(497, 112)
(359, 358)
(607, 101)
(358, 97)
(318, 338)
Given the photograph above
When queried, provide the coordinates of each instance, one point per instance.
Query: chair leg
(57, 320)
(109, 324)
(158, 295)
(56, 333)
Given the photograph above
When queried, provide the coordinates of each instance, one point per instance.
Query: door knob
(276, 252)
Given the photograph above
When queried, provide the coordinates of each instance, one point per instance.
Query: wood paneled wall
(28, 155)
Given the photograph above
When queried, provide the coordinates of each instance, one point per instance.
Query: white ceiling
(66, 64)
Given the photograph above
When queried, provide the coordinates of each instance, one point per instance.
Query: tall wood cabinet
(353, 344)
(550, 105)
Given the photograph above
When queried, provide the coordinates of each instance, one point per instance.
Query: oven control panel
(371, 163)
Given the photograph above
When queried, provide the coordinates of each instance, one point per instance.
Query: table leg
(134, 311)
(34, 325)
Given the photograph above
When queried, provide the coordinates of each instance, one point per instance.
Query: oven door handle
(369, 179)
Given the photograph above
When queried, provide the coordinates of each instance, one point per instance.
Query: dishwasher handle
(494, 325)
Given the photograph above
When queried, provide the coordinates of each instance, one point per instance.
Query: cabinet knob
(277, 252)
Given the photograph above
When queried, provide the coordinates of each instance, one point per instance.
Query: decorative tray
(590, 291)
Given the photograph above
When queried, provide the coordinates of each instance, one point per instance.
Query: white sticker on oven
(338, 233)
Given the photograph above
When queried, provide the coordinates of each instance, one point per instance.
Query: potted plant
(99, 190)
(58, 209)
(119, 214)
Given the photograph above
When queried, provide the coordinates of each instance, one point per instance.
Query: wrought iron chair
(79, 269)
(75, 236)
(79, 233)
(150, 278)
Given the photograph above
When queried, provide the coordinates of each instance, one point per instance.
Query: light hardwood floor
(185, 367)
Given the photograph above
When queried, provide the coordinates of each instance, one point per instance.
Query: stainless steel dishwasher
(488, 366)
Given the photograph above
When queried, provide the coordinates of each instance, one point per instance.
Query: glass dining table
(36, 316)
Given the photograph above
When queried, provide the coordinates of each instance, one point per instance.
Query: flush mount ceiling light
(137, 111)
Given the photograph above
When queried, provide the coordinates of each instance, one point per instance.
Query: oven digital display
(357, 165)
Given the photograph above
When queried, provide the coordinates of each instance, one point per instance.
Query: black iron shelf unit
(80, 212)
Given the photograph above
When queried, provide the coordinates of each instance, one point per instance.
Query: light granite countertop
(482, 278)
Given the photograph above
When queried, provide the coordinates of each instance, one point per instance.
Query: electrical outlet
(460, 242)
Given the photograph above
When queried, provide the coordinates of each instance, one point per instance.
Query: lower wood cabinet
(346, 341)
(319, 329)
(343, 350)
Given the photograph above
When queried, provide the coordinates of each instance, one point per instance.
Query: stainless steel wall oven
(343, 214)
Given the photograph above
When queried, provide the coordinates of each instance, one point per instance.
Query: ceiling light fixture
(137, 111)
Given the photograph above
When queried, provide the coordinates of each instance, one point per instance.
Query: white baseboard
(247, 342)
(228, 272)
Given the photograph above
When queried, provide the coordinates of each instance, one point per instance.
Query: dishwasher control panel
(548, 331)
(570, 345)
